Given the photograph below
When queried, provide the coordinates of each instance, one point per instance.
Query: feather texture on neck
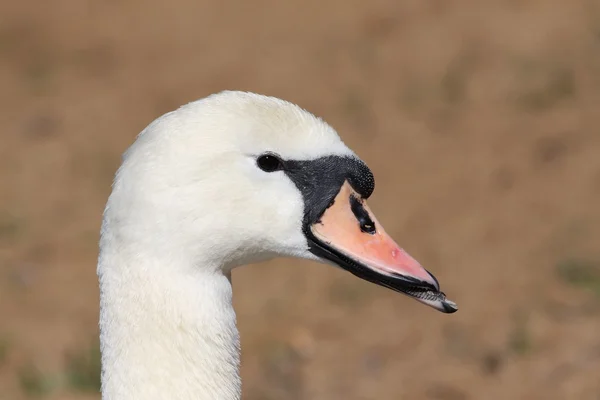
(168, 335)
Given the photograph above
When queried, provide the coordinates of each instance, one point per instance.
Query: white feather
(188, 205)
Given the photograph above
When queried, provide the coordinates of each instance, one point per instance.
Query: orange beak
(348, 234)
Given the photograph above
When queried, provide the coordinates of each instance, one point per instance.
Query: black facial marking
(321, 179)
(364, 219)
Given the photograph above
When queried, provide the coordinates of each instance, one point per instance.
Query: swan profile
(231, 179)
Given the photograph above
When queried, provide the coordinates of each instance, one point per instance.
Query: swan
(231, 179)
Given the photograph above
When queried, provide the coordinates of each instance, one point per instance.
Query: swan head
(237, 178)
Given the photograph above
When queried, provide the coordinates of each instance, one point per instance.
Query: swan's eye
(269, 163)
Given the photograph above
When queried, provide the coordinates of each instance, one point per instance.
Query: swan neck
(166, 332)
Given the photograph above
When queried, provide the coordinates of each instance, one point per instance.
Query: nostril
(367, 226)
(366, 223)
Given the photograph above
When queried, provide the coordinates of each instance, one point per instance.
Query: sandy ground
(479, 119)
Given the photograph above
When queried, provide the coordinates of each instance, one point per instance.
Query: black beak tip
(449, 307)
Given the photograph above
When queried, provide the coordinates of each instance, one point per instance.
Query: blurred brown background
(479, 119)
